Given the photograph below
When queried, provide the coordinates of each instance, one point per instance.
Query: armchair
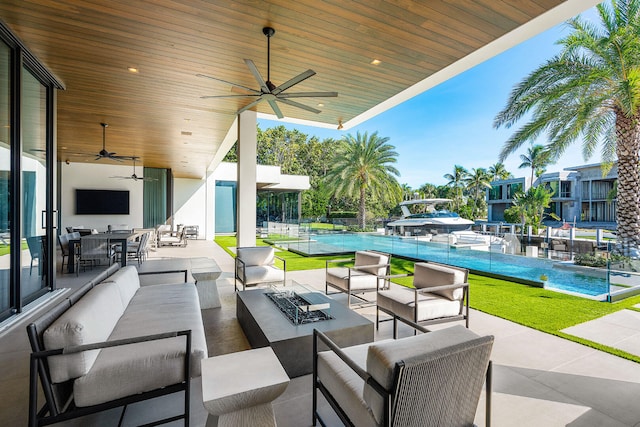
(368, 274)
(68, 251)
(256, 265)
(35, 245)
(440, 294)
(430, 379)
(171, 238)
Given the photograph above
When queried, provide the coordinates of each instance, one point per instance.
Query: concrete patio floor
(539, 379)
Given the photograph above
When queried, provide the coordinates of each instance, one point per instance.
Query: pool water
(516, 266)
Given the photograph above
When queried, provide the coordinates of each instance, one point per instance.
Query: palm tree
(428, 191)
(590, 90)
(363, 167)
(456, 182)
(530, 206)
(537, 158)
(476, 182)
(497, 172)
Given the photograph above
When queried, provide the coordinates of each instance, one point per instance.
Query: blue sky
(452, 123)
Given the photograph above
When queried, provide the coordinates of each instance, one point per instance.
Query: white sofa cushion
(259, 255)
(382, 358)
(89, 320)
(427, 275)
(131, 369)
(165, 308)
(127, 281)
(372, 258)
(360, 280)
(401, 301)
(263, 274)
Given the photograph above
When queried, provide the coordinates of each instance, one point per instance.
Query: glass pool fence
(544, 260)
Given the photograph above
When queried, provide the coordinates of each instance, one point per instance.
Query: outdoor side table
(238, 388)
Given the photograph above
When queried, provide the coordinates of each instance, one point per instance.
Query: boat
(432, 222)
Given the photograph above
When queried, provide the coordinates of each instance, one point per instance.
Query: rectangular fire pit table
(264, 324)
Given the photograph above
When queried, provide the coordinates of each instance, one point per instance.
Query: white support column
(246, 194)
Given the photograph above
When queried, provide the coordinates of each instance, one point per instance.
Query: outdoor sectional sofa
(112, 343)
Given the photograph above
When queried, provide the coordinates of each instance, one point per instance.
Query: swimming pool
(515, 266)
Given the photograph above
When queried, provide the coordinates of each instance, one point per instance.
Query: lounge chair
(431, 379)
(367, 274)
(440, 294)
(177, 238)
(256, 266)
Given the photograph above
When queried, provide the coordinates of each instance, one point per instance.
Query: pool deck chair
(440, 294)
(430, 379)
(367, 274)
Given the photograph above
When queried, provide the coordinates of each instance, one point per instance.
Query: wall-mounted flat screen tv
(102, 202)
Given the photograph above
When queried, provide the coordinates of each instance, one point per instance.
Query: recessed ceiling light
(63, 148)
(132, 69)
(321, 105)
(375, 62)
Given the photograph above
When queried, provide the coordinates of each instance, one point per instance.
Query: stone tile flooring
(539, 379)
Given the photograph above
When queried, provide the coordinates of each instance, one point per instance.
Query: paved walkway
(619, 330)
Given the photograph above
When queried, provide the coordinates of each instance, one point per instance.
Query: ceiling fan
(133, 176)
(105, 154)
(270, 92)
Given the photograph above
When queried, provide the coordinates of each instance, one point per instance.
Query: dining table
(110, 238)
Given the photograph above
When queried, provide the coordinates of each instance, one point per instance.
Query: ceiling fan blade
(229, 83)
(257, 76)
(298, 105)
(308, 95)
(275, 108)
(294, 81)
(229, 96)
(112, 156)
(246, 107)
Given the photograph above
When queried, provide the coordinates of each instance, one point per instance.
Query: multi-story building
(580, 194)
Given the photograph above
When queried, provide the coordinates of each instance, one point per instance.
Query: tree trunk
(628, 199)
(361, 209)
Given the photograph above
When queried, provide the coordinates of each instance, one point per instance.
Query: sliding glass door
(5, 179)
(27, 165)
(34, 185)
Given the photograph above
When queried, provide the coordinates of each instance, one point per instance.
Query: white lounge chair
(440, 294)
(367, 274)
(256, 265)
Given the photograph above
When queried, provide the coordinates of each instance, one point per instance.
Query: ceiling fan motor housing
(268, 31)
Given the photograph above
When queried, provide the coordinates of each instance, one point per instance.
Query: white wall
(96, 176)
(190, 203)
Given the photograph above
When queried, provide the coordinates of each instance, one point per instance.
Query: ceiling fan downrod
(268, 31)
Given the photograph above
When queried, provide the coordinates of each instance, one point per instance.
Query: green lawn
(4, 249)
(325, 226)
(537, 308)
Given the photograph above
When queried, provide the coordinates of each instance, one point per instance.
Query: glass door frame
(20, 59)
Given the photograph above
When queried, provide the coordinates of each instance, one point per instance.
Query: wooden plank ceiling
(90, 44)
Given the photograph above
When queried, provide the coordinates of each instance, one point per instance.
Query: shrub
(342, 214)
(590, 260)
